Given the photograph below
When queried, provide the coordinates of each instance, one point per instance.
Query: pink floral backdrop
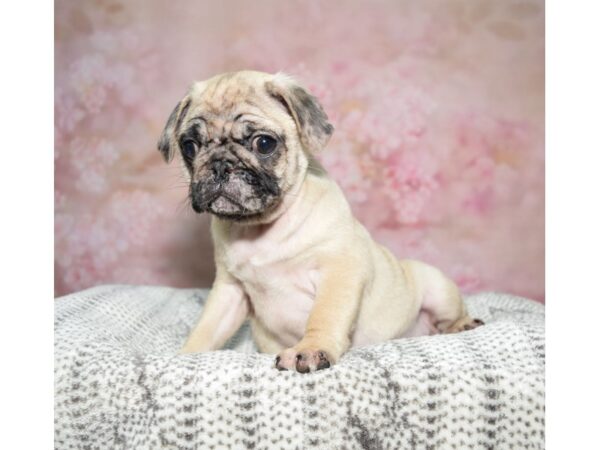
(438, 108)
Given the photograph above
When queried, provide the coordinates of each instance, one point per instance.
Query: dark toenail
(299, 357)
(303, 369)
(277, 360)
(281, 369)
(478, 321)
(323, 365)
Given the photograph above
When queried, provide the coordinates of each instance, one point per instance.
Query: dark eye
(264, 144)
(189, 149)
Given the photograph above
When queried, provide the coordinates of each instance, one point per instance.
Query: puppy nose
(221, 168)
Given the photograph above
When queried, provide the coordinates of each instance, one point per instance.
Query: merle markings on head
(246, 139)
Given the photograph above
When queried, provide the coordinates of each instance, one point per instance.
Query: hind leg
(441, 303)
(448, 312)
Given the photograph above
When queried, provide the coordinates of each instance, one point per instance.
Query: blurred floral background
(438, 108)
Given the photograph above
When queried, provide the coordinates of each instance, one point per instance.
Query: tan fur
(305, 272)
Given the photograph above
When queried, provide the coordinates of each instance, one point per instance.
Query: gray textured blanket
(119, 383)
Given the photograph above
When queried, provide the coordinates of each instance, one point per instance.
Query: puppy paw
(303, 361)
(465, 324)
(473, 324)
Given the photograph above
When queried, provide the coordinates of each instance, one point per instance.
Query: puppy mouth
(236, 198)
(214, 200)
(224, 202)
(226, 207)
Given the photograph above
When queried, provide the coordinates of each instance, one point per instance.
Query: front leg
(330, 322)
(225, 310)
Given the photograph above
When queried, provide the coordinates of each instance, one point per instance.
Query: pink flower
(409, 182)
(468, 280)
(91, 160)
(343, 165)
(67, 113)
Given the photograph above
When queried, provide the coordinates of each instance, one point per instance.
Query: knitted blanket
(120, 384)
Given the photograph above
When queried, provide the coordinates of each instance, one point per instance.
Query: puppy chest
(270, 286)
(282, 295)
(266, 267)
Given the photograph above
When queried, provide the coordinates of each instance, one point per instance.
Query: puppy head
(246, 140)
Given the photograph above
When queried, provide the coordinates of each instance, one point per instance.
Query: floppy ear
(311, 121)
(167, 143)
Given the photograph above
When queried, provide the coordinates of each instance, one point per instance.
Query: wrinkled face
(243, 138)
(236, 160)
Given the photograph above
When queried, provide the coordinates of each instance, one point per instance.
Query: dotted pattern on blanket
(119, 383)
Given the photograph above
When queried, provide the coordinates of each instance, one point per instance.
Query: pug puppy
(289, 254)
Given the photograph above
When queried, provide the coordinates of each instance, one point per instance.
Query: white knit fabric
(120, 384)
